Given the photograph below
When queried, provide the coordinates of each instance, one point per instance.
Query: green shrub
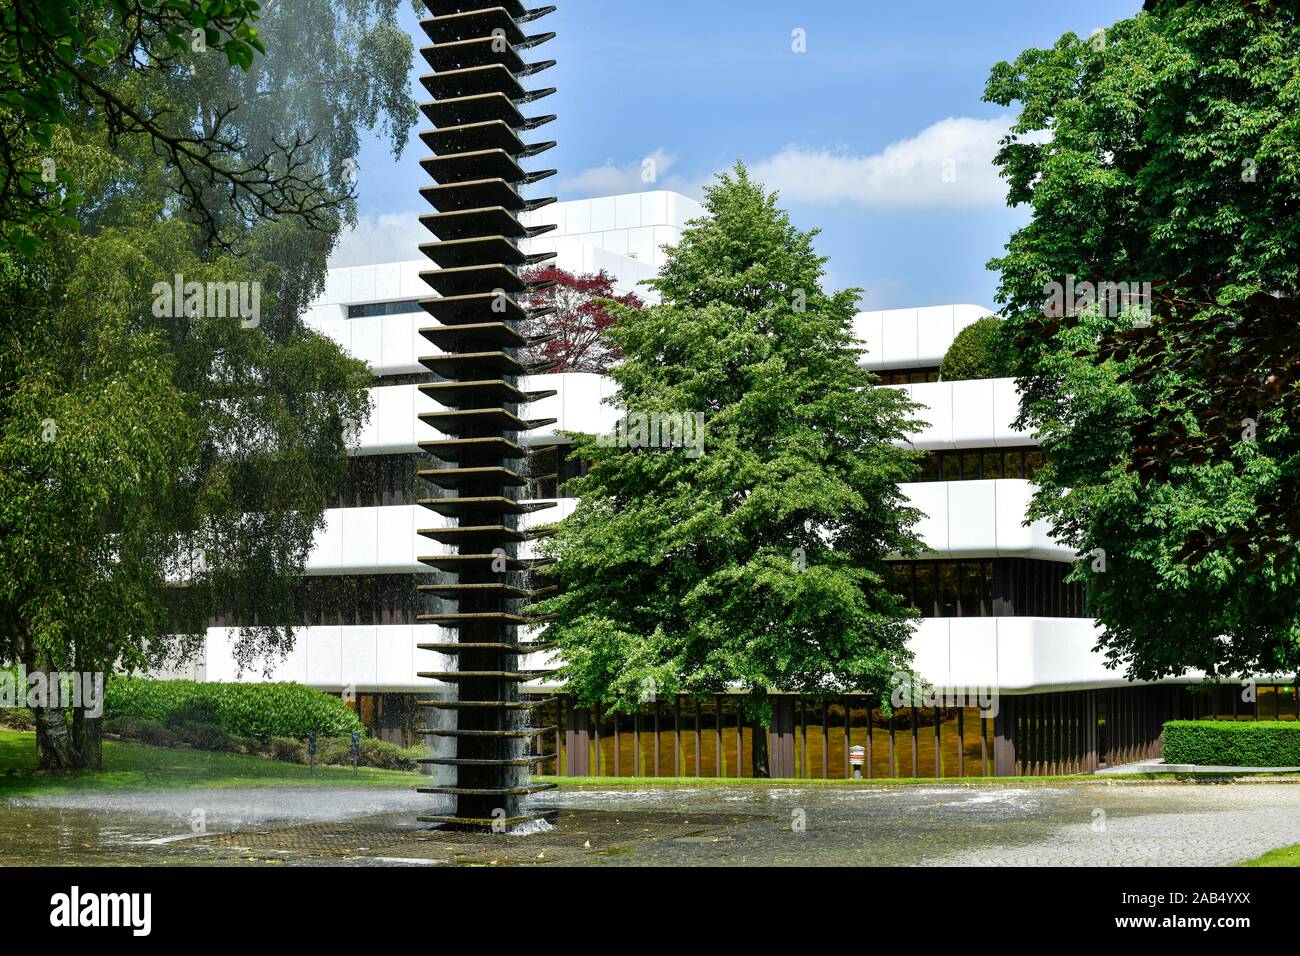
(152, 732)
(254, 746)
(17, 718)
(205, 736)
(240, 710)
(978, 351)
(336, 751)
(373, 753)
(194, 709)
(1228, 743)
(289, 749)
(173, 733)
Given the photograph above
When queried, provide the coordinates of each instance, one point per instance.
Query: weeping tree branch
(58, 47)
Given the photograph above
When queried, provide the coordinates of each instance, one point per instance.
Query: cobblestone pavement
(1112, 823)
(1093, 825)
(1158, 826)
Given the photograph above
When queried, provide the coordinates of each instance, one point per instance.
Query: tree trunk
(55, 749)
(88, 737)
(88, 731)
(759, 749)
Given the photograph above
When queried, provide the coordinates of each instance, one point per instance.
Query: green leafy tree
(61, 55)
(1165, 150)
(758, 564)
(155, 464)
(978, 351)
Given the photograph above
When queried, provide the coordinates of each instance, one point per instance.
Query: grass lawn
(139, 767)
(1283, 856)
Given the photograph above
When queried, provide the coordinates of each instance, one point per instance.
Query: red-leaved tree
(580, 319)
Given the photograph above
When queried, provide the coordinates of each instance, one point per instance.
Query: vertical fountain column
(482, 345)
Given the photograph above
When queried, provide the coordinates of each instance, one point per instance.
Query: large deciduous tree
(752, 559)
(1165, 150)
(158, 463)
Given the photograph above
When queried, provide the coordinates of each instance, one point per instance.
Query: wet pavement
(1087, 825)
(133, 829)
(1093, 824)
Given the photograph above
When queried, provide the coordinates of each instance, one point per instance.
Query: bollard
(356, 750)
(311, 752)
(856, 756)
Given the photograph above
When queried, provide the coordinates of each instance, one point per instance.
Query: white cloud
(949, 163)
(611, 178)
(388, 237)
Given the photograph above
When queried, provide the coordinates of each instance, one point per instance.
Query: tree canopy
(581, 320)
(978, 351)
(62, 55)
(159, 459)
(1160, 159)
(744, 544)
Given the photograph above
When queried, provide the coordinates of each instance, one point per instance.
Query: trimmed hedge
(978, 351)
(1229, 743)
(241, 710)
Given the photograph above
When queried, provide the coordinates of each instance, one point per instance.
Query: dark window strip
(907, 376)
(991, 587)
(407, 378)
(976, 463)
(372, 310)
(377, 481)
(351, 600)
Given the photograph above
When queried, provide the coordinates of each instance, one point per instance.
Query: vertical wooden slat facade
(848, 735)
(740, 743)
(984, 746)
(826, 740)
(803, 733)
(781, 749)
(961, 741)
(1029, 734)
(720, 761)
(698, 741)
(915, 722)
(679, 738)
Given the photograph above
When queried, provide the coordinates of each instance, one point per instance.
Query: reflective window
(976, 463)
(372, 309)
(354, 599)
(908, 376)
(1001, 587)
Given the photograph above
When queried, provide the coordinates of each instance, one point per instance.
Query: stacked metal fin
(481, 334)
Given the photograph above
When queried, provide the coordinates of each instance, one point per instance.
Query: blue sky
(856, 133)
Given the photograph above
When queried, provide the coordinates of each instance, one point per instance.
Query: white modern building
(996, 612)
